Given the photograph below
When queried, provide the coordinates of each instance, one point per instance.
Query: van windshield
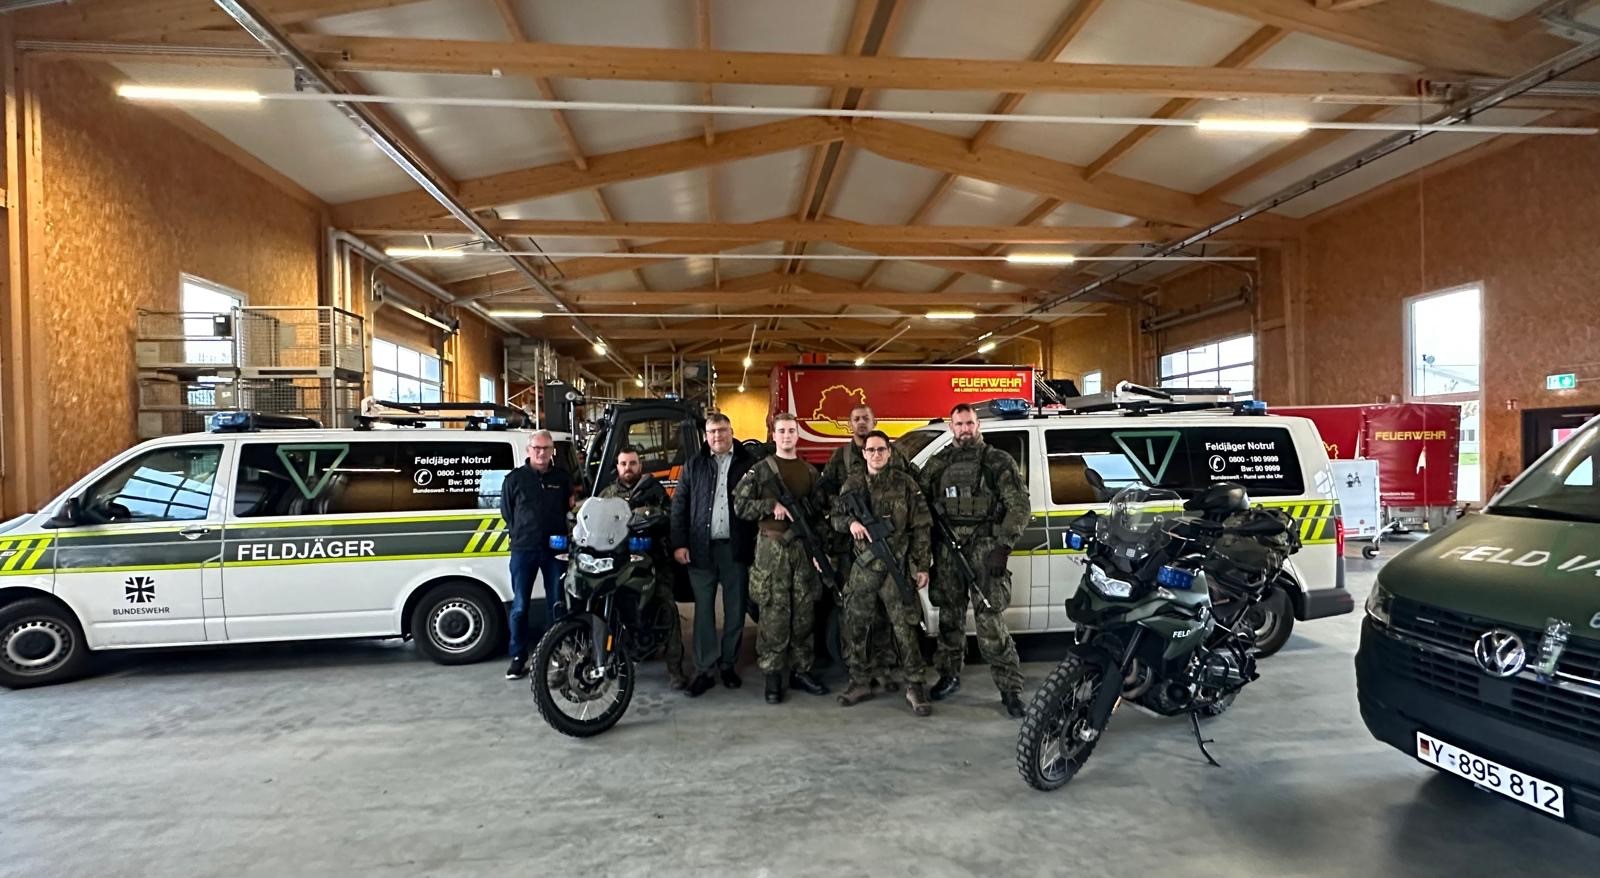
(1562, 486)
(910, 443)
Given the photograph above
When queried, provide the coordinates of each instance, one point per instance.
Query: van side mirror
(69, 515)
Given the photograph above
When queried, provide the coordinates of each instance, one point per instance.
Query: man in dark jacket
(718, 547)
(643, 492)
(534, 500)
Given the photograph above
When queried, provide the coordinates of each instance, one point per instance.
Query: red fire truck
(902, 397)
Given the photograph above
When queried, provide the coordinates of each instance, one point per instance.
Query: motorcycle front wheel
(573, 695)
(1058, 734)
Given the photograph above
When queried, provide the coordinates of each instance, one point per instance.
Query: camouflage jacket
(994, 487)
(847, 460)
(892, 494)
(646, 493)
(754, 496)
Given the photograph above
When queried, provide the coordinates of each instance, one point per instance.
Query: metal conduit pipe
(1463, 110)
(381, 262)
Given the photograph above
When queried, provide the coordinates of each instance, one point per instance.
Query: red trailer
(1416, 445)
(902, 397)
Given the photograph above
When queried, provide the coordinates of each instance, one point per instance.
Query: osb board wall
(1523, 223)
(1087, 344)
(478, 351)
(131, 202)
(475, 350)
(1265, 316)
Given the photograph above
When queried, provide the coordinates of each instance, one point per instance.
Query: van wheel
(1273, 621)
(458, 623)
(40, 643)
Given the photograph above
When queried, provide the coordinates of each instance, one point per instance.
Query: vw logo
(1500, 653)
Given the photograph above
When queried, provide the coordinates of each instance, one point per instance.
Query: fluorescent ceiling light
(861, 361)
(986, 347)
(639, 381)
(1041, 258)
(422, 253)
(950, 315)
(600, 348)
(191, 95)
(518, 314)
(747, 362)
(1254, 126)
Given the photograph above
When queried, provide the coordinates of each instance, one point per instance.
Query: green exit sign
(1564, 381)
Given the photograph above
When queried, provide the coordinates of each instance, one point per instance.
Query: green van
(1480, 651)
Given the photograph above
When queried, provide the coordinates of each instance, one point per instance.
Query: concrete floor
(360, 759)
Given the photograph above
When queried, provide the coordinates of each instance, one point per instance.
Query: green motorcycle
(1147, 629)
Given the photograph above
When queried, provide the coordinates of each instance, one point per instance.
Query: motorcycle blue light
(1074, 541)
(558, 542)
(1173, 577)
(639, 544)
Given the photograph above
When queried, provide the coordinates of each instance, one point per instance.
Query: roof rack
(1129, 399)
(255, 422)
(471, 415)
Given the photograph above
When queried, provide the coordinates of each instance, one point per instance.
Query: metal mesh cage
(323, 341)
(332, 401)
(185, 339)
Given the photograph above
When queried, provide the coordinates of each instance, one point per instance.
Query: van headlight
(1115, 589)
(1379, 604)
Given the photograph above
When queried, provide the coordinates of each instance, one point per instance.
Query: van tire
(1274, 621)
(41, 643)
(458, 623)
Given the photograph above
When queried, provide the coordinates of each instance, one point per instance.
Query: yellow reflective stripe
(317, 521)
(37, 553)
(427, 557)
(505, 543)
(477, 536)
(22, 552)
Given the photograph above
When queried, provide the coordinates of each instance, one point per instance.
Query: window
(1444, 363)
(166, 484)
(1089, 466)
(1090, 385)
(1014, 443)
(315, 478)
(1229, 363)
(488, 389)
(402, 374)
(203, 303)
(913, 441)
(657, 442)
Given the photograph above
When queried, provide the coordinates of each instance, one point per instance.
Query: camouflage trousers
(872, 597)
(785, 586)
(880, 644)
(951, 595)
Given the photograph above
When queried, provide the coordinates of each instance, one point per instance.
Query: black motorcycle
(1148, 630)
(583, 670)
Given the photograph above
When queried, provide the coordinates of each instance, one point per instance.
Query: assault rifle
(878, 532)
(800, 517)
(964, 569)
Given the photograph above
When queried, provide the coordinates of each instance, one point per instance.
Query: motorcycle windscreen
(602, 523)
(1139, 518)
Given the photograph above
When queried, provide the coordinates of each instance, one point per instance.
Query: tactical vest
(965, 493)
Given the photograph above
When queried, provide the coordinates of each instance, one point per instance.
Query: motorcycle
(1147, 630)
(583, 670)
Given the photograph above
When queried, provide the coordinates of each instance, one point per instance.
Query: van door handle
(194, 533)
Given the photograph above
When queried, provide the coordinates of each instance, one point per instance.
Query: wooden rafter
(617, 167)
(1284, 156)
(1248, 51)
(143, 19)
(1070, 26)
(887, 298)
(519, 34)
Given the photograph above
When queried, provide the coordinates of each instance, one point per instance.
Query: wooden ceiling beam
(741, 330)
(142, 19)
(555, 179)
(560, 60)
(1303, 146)
(566, 270)
(1246, 53)
(519, 34)
(1070, 26)
(723, 298)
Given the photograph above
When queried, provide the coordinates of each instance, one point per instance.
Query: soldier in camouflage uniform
(847, 460)
(783, 581)
(871, 591)
(982, 495)
(642, 491)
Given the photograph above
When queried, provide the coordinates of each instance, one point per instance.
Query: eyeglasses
(544, 448)
(878, 450)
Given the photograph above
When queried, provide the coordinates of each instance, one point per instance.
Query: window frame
(492, 384)
(94, 488)
(1099, 382)
(1219, 368)
(397, 375)
(1407, 307)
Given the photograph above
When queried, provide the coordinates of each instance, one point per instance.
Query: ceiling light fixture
(951, 315)
(861, 361)
(741, 388)
(599, 347)
(986, 347)
(1041, 258)
(518, 314)
(1253, 126)
(423, 253)
(188, 95)
(639, 381)
(746, 363)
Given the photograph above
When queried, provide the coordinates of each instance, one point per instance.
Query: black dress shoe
(701, 685)
(774, 688)
(730, 679)
(805, 680)
(946, 687)
(1013, 703)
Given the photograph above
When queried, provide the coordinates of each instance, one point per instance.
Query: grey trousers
(710, 652)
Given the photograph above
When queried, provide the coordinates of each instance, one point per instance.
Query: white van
(246, 535)
(1074, 461)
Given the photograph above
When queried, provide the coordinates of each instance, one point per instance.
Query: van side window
(1089, 466)
(164, 484)
(315, 478)
(1014, 443)
(439, 476)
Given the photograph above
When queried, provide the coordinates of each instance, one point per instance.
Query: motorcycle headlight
(1108, 587)
(596, 564)
(1379, 604)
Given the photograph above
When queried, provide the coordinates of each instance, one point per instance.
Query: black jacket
(534, 505)
(691, 508)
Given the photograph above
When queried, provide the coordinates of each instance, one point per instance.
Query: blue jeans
(525, 564)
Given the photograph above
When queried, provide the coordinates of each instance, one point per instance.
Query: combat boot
(807, 681)
(857, 693)
(1013, 703)
(774, 688)
(918, 700)
(948, 685)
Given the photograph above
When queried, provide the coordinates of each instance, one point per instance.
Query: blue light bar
(1175, 578)
(558, 542)
(639, 544)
